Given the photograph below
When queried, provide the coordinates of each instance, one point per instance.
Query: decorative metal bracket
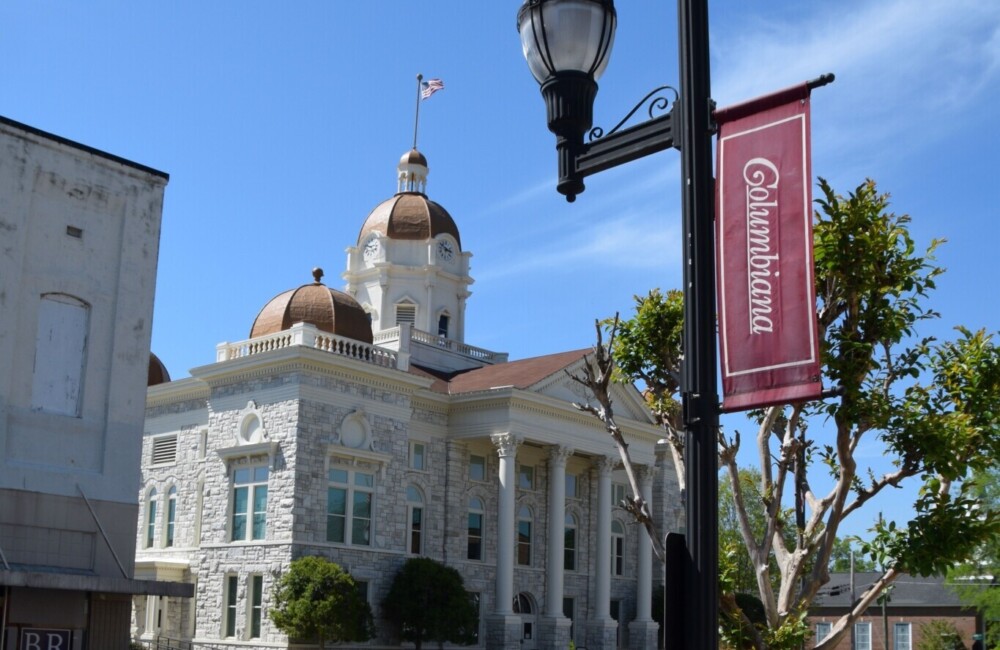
(656, 103)
(619, 146)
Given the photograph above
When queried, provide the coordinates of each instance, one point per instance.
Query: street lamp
(567, 44)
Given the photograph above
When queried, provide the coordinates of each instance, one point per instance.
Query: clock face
(371, 249)
(446, 251)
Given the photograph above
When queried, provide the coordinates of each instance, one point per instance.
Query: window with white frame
(526, 477)
(475, 537)
(171, 516)
(418, 455)
(617, 548)
(443, 322)
(569, 543)
(477, 468)
(415, 506)
(524, 521)
(249, 520)
(822, 631)
(256, 598)
(151, 518)
(901, 637)
(350, 498)
(863, 636)
(231, 589)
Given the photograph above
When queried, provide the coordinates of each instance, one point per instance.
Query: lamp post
(567, 44)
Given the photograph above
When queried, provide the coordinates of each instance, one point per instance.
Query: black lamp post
(567, 44)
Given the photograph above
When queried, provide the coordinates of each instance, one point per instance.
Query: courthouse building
(359, 425)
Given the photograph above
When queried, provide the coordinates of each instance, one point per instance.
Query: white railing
(394, 334)
(307, 335)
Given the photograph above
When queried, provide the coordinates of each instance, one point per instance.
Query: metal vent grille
(164, 450)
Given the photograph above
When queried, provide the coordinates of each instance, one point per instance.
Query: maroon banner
(768, 332)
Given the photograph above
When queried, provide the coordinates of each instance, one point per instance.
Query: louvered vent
(164, 450)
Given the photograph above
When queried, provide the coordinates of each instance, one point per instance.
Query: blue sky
(281, 124)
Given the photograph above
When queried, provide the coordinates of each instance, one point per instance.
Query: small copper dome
(409, 215)
(328, 309)
(413, 157)
(157, 371)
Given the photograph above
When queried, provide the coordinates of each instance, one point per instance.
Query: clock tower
(407, 266)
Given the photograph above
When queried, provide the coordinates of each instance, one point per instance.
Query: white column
(506, 445)
(557, 525)
(602, 595)
(644, 586)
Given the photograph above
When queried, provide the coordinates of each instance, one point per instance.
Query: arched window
(617, 548)
(524, 521)
(171, 515)
(151, 518)
(415, 506)
(476, 514)
(569, 544)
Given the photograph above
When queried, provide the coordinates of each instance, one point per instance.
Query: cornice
(182, 390)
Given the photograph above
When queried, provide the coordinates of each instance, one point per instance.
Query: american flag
(430, 87)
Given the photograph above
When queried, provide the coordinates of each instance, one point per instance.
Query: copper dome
(157, 373)
(409, 215)
(413, 157)
(328, 309)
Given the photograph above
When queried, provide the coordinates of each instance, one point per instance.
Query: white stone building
(79, 237)
(360, 426)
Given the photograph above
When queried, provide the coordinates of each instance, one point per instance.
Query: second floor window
(524, 536)
(569, 544)
(475, 539)
(617, 548)
(415, 504)
(151, 519)
(349, 507)
(249, 503)
(171, 515)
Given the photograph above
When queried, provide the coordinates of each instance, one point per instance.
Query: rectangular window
(171, 515)
(249, 503)
(229, 615)
(571, 492)
(822, 631)
(569, 611)
(526, 477)
(862, 636)
(151, 521)
(443, 325)
(901, 637)
(477, 468)
(524, 542)
(164, 450)
(418, 455)
(618, 494)
(256, 600)
(569, 549)
(416, 524)
(475, 550)
(349, 507)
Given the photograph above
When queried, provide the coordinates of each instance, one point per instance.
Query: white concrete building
(79, 236)
(360, 426)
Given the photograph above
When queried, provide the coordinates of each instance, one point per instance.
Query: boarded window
(60, 354)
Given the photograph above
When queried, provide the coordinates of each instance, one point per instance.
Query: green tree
(977, 581)
(428, 602)
(316, 599)
(940, 635)
(846, 552)
(933, 406)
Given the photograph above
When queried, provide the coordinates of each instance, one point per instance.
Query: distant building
(913, 602)
(360, 426)
(79, 236)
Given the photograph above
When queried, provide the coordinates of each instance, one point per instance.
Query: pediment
(626, 400)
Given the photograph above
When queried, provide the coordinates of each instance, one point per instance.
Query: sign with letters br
(768, 331)
(45, 639)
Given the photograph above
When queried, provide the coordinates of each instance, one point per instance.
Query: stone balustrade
(309, 336)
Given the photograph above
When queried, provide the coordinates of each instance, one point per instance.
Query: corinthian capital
(506, 444)
(559, 454)
(606, 464)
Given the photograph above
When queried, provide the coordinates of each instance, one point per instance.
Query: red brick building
(913, 602)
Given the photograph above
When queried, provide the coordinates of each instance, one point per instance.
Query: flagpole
(416, 120)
